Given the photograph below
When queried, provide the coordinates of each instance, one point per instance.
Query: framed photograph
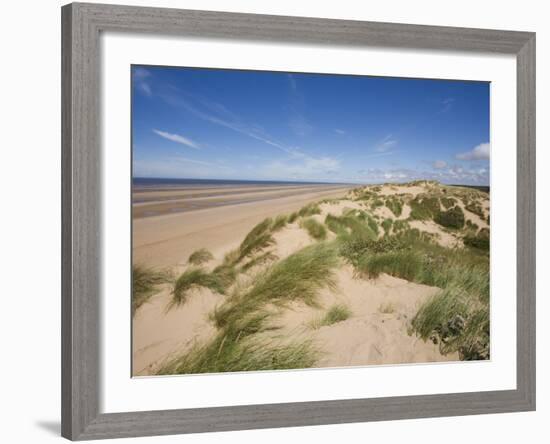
(283, 221)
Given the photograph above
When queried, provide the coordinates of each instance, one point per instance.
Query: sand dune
(376, 332)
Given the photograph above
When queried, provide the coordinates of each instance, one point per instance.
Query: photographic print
(287, 221)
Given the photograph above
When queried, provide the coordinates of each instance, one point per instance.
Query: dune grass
(316, 230)
(386, 225)
(230, 353)
(262, 259)
(458, 316)
(145, 281)
(279, 222)
(395, 205)
(354, 223)
(200, 257)
(336, 313)
(298, 277)
(309, 210)
(257, 239)
(452, 218)
(238, 345)
(194, 278)
(424, 207)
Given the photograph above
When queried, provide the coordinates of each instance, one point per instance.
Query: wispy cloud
(141, 78)
(446, 105)
(298, 123)
(177, 138)
(439, 164)
(340, 131)
(386, 144)
(480, 152)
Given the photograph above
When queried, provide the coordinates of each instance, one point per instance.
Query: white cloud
(439, 164)
(480, 152)
(340, 131)
(177, 138)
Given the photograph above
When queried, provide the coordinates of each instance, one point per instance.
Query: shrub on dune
(200, 257)
(452, 218)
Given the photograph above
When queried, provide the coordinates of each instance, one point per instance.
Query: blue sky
(252, 125)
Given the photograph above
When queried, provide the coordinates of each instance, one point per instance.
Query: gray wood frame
(81, 26)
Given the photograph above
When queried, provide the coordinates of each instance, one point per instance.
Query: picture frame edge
(80, 415)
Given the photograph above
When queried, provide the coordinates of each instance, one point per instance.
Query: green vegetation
(239, 345)
(309, 210)
(200, 257)
(192, 279)
(353, 223)
(336, 313)
(457, 317)
(480, 240)
(279, 222)
(298, 277)
(452, 218)
(316, 230)
(259, 238)
(262, 259)
(475, 208)
(424, 207)
(471, 225)
(386, 225)
(238, 353)
(395, 205)
(144, 284)
(377, 203)
(292, 217)
(447, 202)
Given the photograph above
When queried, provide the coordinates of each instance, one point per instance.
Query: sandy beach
(210, 217)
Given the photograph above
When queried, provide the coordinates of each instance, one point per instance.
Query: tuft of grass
(298, 277)
(195, 278)
(262, 259)
(292, 217)
(400, 225)
(336, 313)
(424, 207)
(316, 230)
(386, 225)
(386, 308)
(145, 281)
(200, 257)
(256, 240)
(309, 210)
(403, 264)
(232, 353)
(452, 218)
(279, 222)
(457, 321)
(480, 240)
(395, 205)
(475, 208)
(447, 202)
